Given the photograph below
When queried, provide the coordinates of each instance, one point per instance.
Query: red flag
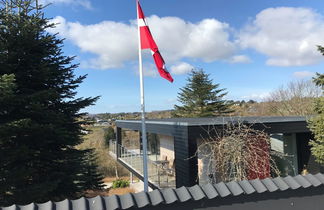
(147, 42)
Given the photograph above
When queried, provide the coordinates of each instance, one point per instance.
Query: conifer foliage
(316, 124)
(201, 98)
(39, 114)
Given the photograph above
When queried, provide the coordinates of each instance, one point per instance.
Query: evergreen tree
(40, 119)
(201, 98)
(316, 124)
(109, 134)
(7, 87)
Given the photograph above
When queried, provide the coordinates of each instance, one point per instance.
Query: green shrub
(120, 183)
(109, 134)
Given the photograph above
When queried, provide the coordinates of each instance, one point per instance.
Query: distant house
(102, 122)
(172, 146)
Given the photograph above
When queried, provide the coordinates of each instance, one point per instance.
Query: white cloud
(181, 68)
(256, 96)
(303, 74)
(240, 59)
(84, 3)
(115, 43)
(60, 26)
(171, 101)
(149, 70)
(288, 36)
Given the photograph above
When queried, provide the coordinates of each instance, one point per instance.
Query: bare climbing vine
(238, 152)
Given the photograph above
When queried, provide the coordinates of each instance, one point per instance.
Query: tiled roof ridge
(182, 194)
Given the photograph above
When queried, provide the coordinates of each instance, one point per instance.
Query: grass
(121, 191)
(111, 179)
(107, 164)
(108, 192)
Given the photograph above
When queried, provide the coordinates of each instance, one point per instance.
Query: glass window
(284, 145)
(153, 146)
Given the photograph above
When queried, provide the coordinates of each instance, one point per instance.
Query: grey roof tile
(196, 192)
(320, 177)
(45, 206)
(291, 182)
(209, 190)
(302, 181)
(222, 190)
(280, 183)
(246, 186)
(141, 199)
(169, 195)
(155, 197)
(62, 205)
(111, 202)
(269, 184)
(79, 204)
(183, 194)
(126, 201)
(235, 188)
(313, 180)
(95, 203)
(12, 207)
(258, 185)
(30, 206)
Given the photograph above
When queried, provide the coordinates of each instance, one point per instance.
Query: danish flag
(147, 42)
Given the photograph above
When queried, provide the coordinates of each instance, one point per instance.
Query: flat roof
(219, 120)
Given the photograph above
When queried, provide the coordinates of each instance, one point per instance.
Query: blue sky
(250, 47)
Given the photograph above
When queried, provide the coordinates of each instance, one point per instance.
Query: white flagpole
(144, 139)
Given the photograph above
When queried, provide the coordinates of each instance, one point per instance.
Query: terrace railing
(158, 173)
